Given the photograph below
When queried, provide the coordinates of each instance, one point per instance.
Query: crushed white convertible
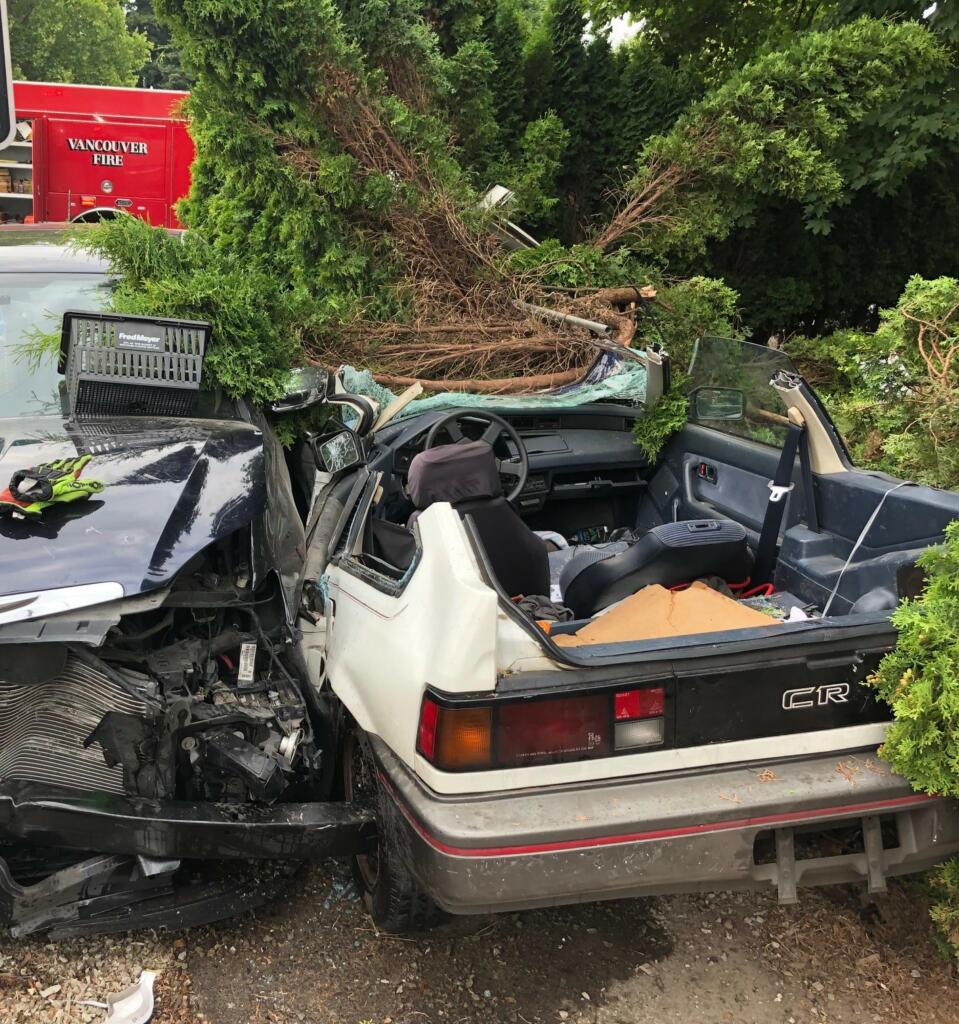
(621, 733)
(482, 646)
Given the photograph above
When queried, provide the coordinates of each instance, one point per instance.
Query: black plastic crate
(131, 366)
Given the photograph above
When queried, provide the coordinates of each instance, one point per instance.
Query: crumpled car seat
(670, 554)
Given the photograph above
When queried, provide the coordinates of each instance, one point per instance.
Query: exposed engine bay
(198, 699)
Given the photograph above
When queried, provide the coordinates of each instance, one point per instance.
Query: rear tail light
(458, 738)
(550, 730)
(546, 731)
(630, 704)
(426, 734)
(640, 718)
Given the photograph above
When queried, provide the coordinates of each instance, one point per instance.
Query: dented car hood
(171, 487)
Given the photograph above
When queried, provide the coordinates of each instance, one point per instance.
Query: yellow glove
(52, 483)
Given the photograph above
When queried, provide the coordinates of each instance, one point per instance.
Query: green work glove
(52, 483)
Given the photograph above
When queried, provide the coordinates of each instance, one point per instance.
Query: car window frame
(779, 421)
(348, 559)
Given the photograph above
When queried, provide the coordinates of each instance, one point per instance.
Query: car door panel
(735, 483)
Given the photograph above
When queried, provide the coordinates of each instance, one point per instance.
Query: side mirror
(338, 452)
(719, 404)
(305, 388)
(357, 412)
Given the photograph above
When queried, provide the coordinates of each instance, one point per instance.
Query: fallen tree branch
(625, 295)
(505, 385)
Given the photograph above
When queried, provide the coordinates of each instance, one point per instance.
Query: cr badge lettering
(815, 696)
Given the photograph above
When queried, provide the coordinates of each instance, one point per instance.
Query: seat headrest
(453, 473)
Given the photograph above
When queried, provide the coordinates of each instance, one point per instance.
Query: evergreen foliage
(256, 325)
(919, 679)
(273, 188)
(610, 101)
(945, 909)
(894, 393)
(338, 152)
(506, 35)
(566, 24)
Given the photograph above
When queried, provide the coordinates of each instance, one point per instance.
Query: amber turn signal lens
(457, 739)
(464, 738)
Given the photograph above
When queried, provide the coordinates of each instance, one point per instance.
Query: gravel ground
(314, 958)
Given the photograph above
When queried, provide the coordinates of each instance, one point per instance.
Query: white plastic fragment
(135, 1004)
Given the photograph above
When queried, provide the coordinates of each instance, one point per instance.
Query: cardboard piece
(656, 612)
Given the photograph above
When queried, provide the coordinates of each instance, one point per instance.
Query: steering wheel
(496, 427)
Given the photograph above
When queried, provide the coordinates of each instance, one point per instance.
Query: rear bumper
(694, 832)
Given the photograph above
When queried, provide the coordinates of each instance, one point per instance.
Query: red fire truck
(81, 152)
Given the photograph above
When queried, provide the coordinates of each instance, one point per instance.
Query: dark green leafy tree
(709, 39)
(650, 97)
(856, 108)
(505, 33)
(163, 69)
(456, 23)
(599, 148)
(538, 70)
(532, 168)
(566, 21)
(74, 41)
(609, 101)
(793, 280)
(712, 38)
(472, 110)
(796, 271)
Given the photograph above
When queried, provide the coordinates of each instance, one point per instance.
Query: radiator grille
(43, 726)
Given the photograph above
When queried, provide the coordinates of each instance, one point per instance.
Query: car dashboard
(581, 453)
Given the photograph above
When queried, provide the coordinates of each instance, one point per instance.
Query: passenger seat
(670, 554)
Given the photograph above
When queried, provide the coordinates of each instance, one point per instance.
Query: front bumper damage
(172, 829)
(781, 826)
(169, 864)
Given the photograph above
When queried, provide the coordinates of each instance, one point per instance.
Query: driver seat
(465, 475)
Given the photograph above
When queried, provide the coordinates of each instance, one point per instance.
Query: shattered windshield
(739, 367)
(31, 304)
(610, 379)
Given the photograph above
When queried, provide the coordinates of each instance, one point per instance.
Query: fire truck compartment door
(110, 161)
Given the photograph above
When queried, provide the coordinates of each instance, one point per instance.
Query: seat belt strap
(808, 488)
(779, 489)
